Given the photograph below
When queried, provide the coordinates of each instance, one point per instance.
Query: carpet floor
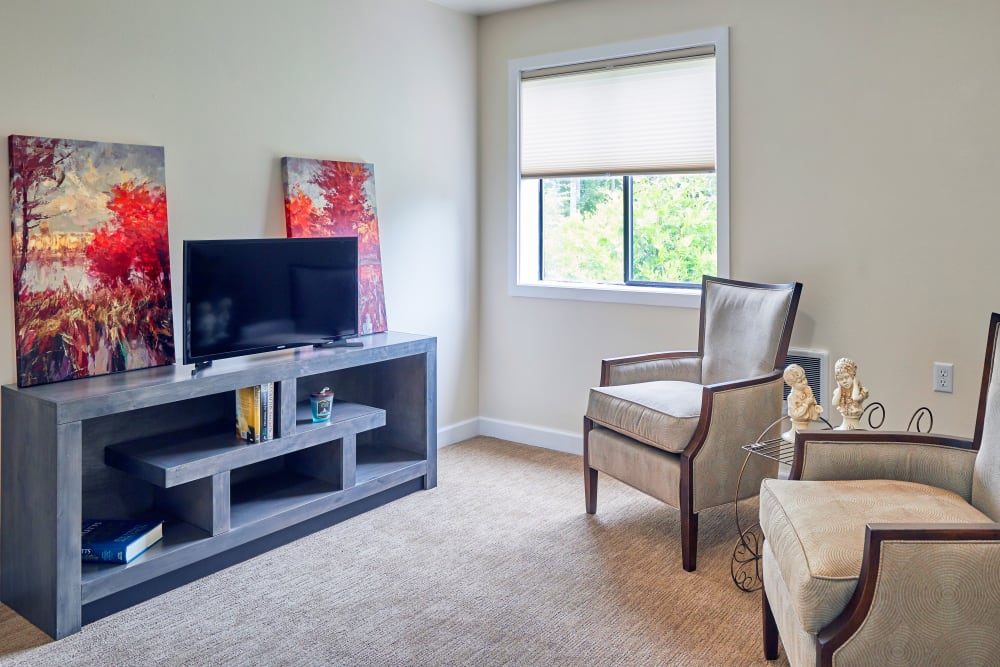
(499, 565)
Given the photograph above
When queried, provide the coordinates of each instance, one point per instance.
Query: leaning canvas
(331, 198)
(91, 258)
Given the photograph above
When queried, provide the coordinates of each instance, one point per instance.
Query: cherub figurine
(802, 406)
(849, 395)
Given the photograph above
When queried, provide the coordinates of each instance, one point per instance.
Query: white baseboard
(449, 435)
(561, 441)
(537, 436)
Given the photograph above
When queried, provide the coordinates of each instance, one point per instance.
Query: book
(248, 413)
(269, 413)
(265, 412)
(118, 540)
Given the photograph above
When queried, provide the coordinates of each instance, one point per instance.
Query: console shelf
(171, 459)
(373, 463)
(159, 443)
(99, 579)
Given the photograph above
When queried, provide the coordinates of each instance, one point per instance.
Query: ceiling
(480, 7)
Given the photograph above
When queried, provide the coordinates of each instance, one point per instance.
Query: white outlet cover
(944, 375)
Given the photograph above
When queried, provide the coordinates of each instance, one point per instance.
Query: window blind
(650, 118)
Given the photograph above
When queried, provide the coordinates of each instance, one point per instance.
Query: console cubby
(161, 443)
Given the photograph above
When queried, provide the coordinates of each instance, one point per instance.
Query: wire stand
(745, 564)
(918, 417)
(874, 410)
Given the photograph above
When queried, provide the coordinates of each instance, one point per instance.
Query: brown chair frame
(844, 626)
(689, 518)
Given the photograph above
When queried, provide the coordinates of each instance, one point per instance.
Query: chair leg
(590, 489)
(589, 474)
(689, 540)
(770, 628)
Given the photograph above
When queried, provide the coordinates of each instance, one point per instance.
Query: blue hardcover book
(118, 540)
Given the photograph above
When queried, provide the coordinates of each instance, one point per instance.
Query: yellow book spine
(248, 414)
(256, 414)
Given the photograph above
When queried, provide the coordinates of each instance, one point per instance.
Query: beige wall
(864, 164)
(230, 86)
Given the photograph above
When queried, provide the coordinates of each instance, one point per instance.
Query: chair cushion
(663, 414)
(816, 531)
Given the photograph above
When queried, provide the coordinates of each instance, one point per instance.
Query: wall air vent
(816, 364)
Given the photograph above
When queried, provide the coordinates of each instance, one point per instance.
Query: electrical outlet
(943, 376)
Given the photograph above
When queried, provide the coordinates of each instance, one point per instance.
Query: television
(257, 295)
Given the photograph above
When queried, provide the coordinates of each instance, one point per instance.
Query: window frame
(524, 243)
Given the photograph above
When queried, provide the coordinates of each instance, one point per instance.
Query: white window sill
(631, 294)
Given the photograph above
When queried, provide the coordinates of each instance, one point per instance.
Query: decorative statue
(849, 395)
(802, 406)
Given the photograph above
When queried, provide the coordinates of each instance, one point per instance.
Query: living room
(859, 165)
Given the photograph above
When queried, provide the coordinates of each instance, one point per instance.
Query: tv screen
(256, 295)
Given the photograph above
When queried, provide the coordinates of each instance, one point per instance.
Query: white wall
(864, 164)
(230, 86)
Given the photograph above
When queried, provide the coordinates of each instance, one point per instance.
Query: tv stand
(161, 443)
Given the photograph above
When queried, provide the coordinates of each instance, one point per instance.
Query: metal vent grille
(815, 363)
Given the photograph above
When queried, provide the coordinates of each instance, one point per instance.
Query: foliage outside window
(666, 235)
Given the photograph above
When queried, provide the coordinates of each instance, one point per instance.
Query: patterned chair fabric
(883, 548)
(817, 533)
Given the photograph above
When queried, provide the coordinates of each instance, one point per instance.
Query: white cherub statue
(849, 395)
(802, 405)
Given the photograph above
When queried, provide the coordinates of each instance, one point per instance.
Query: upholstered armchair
(883, 548)
(671, 424)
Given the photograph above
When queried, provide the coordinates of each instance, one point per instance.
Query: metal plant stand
(745, 564)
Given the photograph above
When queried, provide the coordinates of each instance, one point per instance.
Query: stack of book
(255, 413)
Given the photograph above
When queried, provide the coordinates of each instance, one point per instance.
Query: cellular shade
(649, 118)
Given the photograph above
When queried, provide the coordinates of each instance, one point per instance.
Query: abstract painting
(91, 258)
(331, 198)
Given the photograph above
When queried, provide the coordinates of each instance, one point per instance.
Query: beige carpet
(499, 565)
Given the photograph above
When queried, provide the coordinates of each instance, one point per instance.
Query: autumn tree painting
(332, 198)
(91, 258)
(40, 173)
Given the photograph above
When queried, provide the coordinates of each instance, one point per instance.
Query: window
(620, 156)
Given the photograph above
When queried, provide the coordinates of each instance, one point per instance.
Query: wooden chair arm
(850, 621)
(861, 436)
(607, 365)
(747, 382)
(732, 414)
(708, 413)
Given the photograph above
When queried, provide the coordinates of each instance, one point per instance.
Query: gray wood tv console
(161, 443)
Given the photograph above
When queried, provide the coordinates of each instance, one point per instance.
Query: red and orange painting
(91, 258)
(331, 198)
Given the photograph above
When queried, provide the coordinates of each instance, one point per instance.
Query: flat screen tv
(258, 295)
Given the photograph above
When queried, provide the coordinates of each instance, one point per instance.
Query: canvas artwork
(331, 198)
(91, 258)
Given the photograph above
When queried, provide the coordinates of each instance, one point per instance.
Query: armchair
(671, 424)
(883, 548)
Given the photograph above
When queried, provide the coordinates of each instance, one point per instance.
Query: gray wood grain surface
(203, 502)
(170, 459)
(289, 499)
(40, 515)
(101, 444)
(132, 390)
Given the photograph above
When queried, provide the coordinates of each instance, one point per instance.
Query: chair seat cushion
(663, 414)
(816, 531)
